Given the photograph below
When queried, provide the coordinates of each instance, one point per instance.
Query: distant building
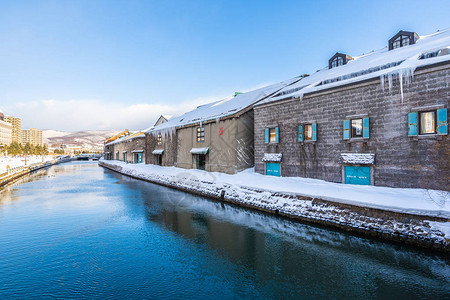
(16, 128)
(32, 136)
(5, 131)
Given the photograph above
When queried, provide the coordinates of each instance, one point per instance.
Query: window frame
(200, 134)
(352, 135)
(272, 129)
(419, 121)
(305, 137)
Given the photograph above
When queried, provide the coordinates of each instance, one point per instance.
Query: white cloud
(75, 115)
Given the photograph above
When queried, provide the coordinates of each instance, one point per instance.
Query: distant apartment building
(5, 131)
(16, 128)
(32, 136)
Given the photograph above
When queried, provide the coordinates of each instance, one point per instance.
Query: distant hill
(87, 138)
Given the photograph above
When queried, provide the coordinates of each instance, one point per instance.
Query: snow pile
(272, 157)
(358, 158)
(398, 64)
(285, 196)
(15, 162)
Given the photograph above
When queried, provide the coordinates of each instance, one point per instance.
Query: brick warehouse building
(378, 119)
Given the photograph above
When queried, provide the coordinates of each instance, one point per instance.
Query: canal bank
(422, 228)
(23, 171)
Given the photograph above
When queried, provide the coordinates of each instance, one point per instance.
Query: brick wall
(401, 161)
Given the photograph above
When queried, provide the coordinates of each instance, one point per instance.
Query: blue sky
(73, 65)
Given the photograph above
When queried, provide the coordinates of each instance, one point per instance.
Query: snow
(404, 200)
(272, 157)
(219, 109)
(358, 158)
(131, 136)
(283, 195)
(203, 150)
(397, 64)
(443, 227)
(158, 152)
(15, 162)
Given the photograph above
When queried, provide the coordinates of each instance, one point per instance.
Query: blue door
(273, 169)
(357, 175)
(139, 158)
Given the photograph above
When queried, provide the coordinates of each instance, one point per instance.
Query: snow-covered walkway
(412, 201)
(14, 162)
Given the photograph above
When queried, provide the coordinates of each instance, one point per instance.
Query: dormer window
(338, 59)
(402, 39)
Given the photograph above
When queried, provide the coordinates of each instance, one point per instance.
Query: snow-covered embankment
(412, 216)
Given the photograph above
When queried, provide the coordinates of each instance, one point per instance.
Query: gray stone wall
(401, 161)
(169, 145)
(129, 146)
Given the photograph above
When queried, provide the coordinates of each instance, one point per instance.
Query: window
(200, 134)
(401, 41)
(357, 128)
(338, 61)
(308, 132)
(396, 44)
(159, 139)
(405, 41)
(427, 122)
(272, 135)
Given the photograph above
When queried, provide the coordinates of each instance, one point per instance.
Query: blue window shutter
(266, 135)
(442, 121)
(314, 132)
(366, 128)
(277, 135)
(412, 123)
(346, 126)
(300, 133)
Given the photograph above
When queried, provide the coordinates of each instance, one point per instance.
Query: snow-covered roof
(132, 135)
(222, 108)
(385, 64)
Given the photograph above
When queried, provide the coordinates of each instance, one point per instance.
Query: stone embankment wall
(398, 227)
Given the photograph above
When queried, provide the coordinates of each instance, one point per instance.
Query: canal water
(77, 230)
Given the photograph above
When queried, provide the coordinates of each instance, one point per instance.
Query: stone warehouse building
(129, 148)
(216, 137)
(378, 119)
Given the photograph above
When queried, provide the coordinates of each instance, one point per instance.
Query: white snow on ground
(413, 201)
(14, 162)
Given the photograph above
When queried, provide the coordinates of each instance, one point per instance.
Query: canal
(77, 230)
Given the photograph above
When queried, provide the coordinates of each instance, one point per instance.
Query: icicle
(382, 82)
(201, 124)
(217, 120)
(400, 78)
(390, 82)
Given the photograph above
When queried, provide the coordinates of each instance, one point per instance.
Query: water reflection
(77, 230)
(302, 256)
